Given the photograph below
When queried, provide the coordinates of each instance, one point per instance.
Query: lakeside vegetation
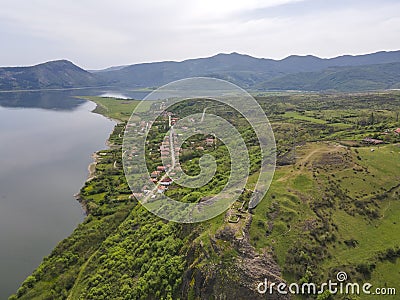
(119, 110)
(333, 206)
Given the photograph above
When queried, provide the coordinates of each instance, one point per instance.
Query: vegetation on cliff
(333, 206)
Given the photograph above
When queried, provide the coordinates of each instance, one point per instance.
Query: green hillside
(49, 75)
(344, 79)
(333, 206)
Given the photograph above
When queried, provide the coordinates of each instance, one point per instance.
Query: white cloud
(98, 34)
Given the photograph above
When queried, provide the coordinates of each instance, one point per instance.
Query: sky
(96, 34)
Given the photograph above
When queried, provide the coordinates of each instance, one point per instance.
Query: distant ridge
(378, 70)
(266, 74)
(344, 79)
(53, 74)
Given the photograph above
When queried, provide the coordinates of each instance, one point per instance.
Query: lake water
(46, 142)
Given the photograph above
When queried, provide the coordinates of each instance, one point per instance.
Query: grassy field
(287, 219)
(303, 117)
(115, 109)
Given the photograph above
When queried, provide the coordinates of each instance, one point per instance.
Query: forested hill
(344, 73)
(356, 78)
(53, 74)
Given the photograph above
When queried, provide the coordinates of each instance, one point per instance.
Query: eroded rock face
(214, 274)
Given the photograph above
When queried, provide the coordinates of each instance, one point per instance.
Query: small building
(174, 120)
(372, 141)
(155, 174)
(164, 153)
(161, 168)
(136, 195)
(164, 148)
(166, 181)
(161, 189)
(209, 141)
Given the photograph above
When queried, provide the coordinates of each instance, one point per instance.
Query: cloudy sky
(96, 33)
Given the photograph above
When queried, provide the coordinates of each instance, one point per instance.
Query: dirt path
(302, 163)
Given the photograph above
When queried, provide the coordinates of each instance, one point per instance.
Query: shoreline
(95, 111)
(92, 174)
(92, 166)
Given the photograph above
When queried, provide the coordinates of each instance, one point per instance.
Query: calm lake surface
(46, 142)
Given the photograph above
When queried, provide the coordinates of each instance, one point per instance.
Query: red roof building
(161, 189)
(209, 141)
(155, 174)
(164, 153)
(372, 141)
(166, 181)
(174, 120)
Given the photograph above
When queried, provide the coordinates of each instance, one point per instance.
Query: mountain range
(380, 70)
